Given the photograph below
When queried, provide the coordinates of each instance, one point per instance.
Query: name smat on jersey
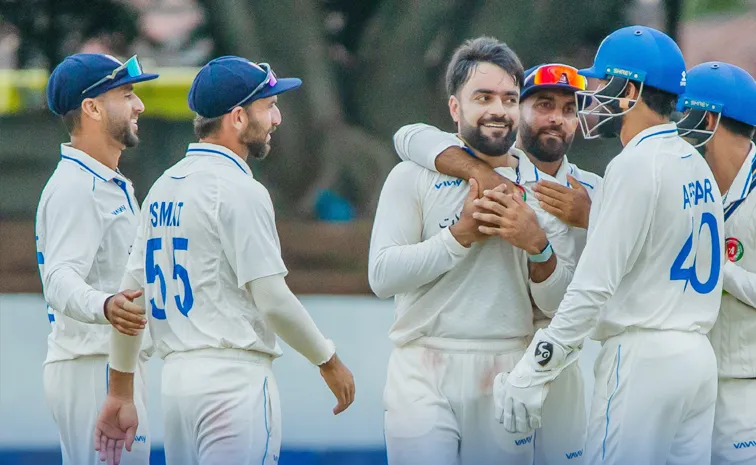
(165, 213)
(697, 192)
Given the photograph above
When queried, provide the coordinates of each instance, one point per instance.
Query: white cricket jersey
(422, 144)
(207, 229)
(86, 222)
(441, 288)
(734, 334)
(654, 255)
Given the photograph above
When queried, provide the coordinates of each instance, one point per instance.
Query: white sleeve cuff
(457, 250)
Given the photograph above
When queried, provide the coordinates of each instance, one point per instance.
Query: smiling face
(549, 122)
(486, 109)
(121, 113)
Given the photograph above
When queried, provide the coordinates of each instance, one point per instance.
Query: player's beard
(254, 138)
(491, 146)
(120, 131)
(548, 149)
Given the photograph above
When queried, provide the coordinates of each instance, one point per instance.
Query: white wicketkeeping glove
(519, 395)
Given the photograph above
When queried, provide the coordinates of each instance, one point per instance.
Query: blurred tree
(52, 29)
(370, 67)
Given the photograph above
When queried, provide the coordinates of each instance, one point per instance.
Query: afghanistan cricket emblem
(543, 353)
(734, 249)
(522, 189)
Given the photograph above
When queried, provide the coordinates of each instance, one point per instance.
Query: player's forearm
(455, 161)
(422, 144)
(403, 268)
(548, 292)
(68, 294)
(289, 319)
(740, 283)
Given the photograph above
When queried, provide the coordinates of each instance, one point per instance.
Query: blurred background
(369, 67)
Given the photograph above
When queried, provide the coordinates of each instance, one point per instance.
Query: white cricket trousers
(734, 438)
(221, 406)
(75, 391)
(439, 406)
(653, 400)
(561, 439)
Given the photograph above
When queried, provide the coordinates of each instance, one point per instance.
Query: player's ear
(92, 108)
(711, 121)
(454, 108)
(238, 118)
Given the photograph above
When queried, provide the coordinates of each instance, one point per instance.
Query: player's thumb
(131, 295)
(130, 434)
(574, 183)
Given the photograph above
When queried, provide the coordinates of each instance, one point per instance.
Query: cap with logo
(87, 75)
(231, 81)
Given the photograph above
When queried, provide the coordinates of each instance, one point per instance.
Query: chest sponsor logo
(453, 183)
(734, 249)
(119, 210)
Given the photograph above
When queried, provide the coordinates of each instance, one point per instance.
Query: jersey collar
(528, 173)
(214, 150)
(654, 132)
(739, 188)
(87, 163)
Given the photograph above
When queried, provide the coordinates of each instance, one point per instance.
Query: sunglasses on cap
(270, 79)
(557, 74)
(132, 67)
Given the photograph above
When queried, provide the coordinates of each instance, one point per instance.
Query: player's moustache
(557, 129)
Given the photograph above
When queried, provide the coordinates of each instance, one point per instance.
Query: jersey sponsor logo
(524, 441)
(574, 455)
(734, 249)
(543, 352)
(119, 210)
(141, 438)
(453, 183)
(697, 192)
(165, 214)
(448, 222)
(744, 445)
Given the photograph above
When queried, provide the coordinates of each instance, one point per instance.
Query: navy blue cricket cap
(230, 81)
(87, 75)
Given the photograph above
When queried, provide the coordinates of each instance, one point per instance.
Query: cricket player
(86, 223)
(208, 257)
(648, 284)
(463, 309)
(720, 99)
(548, 121)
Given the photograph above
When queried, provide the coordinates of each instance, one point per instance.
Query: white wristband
(544, 256)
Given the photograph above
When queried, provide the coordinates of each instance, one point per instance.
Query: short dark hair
(72, 120)
(481, 50)
(659, 101)
(736, 127)
(204, 127)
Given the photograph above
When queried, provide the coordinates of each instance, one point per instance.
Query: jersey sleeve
(618, 232)
(247, 230)
(135, 265)
(548, 294)
(399, 260)
(71, 232)
(740, 283)
(422, 143)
